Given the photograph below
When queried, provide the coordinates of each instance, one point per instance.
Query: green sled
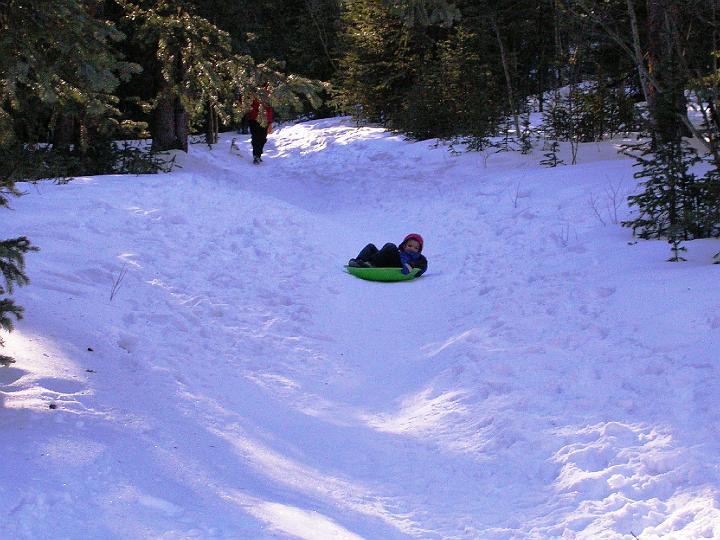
(381, 274)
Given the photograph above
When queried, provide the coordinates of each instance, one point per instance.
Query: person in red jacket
(260, 117)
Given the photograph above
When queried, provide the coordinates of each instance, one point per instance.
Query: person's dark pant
(259, 137)
(388, 256)
(244, 124)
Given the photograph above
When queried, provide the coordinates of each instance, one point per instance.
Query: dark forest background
(78, 75)
(99, 86)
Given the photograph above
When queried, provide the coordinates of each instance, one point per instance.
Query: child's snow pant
(387, 257)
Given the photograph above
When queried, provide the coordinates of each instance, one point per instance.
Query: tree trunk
(63, 135)
(211, 130)
(162, 127)
(544, 66)
(559, 54)
(313, 9)
(637, 51)
(508, 78)
(182, 131)
(654, 53)
(666, 93)
(169, 126)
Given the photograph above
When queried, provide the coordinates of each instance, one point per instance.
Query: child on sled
(407, 255)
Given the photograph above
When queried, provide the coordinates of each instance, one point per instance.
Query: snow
(214, 373)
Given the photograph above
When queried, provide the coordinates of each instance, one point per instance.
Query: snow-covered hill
(213, 373)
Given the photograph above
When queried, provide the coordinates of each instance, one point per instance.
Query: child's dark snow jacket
(411, 258)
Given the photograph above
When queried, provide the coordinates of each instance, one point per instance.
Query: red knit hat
(412, 236)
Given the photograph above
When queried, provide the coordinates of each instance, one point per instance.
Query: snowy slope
(547, 378)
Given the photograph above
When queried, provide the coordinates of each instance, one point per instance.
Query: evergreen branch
(5, 360)
(12, 261)
(6, 192)
(7, 308)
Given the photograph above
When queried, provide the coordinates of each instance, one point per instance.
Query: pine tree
(416, 66)
(555, 121)
(183, 55)
(675, 241)
(707, 203)
(193, 78)
(454, 93)
(301, 34)
(669, 203)
(526, 145)
(551, 156)
(376, 60)
(58, 74)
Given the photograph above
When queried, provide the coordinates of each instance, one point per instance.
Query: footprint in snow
(605, 292)
(9, 375)
(60, 386)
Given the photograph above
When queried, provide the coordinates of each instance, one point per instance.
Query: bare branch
(594, 204)
(117, 281)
